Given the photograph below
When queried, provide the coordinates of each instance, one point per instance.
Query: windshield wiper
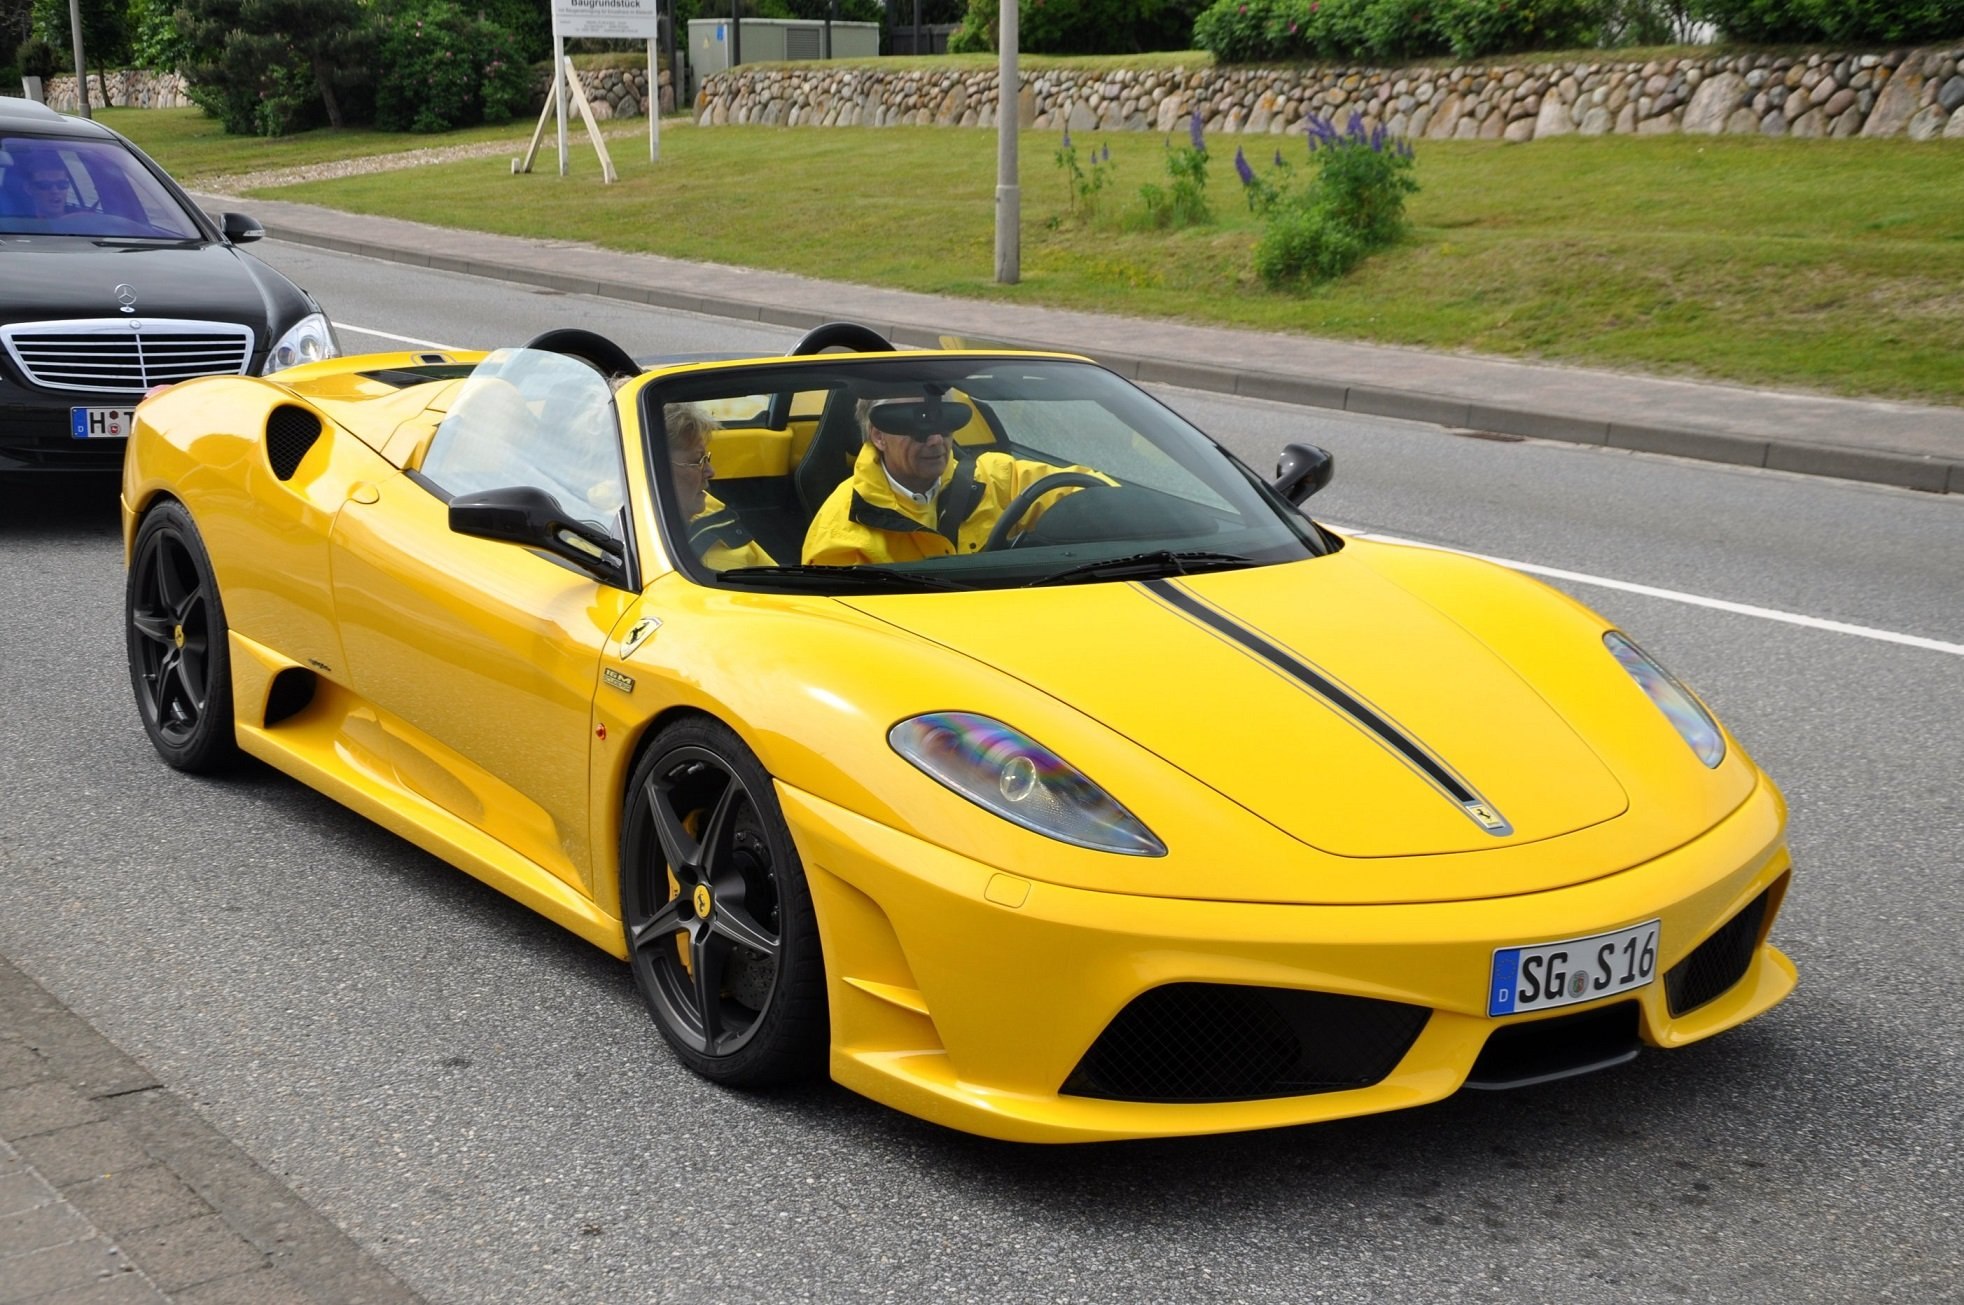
(1139, 565)
(843, 577)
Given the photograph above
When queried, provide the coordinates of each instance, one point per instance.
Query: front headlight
(1684, 712)
(1022, 781)
(310, 340)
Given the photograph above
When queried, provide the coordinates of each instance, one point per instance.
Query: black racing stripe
(1318, 684)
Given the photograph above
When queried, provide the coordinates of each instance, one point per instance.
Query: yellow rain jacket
(720, 539)
(864, 521)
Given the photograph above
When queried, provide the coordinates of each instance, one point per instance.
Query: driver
(912, 495)
(48, 186)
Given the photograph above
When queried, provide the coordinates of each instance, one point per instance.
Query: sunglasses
(919, 419)
(48, 185)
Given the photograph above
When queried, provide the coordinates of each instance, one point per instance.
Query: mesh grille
(290, 432)
(1221, 1042)
(1718, 963)
(1537, 1051)
(125, 356)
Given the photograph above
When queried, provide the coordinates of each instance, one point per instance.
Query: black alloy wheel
(180, 664)
(718, 917)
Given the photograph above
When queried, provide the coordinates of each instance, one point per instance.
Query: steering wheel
(841, 335)
(1019, 506)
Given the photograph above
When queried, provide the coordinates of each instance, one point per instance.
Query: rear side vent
(291, 693)
(290, 432)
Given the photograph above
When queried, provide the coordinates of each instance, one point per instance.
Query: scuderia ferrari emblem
(616, 680)
(644, 627)
(1488, 818)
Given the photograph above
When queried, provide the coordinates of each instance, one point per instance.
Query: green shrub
(38, 58)
(1254, 31)
(1082, 26)
(438, 68)
(154, 40)
(1085, 183)
(1353, 204)
(1858, 22)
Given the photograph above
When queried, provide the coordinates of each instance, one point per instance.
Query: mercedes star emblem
(126, 296)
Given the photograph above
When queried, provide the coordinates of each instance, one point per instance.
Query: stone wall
(615, 92)
(128, 88)
(1918, 93)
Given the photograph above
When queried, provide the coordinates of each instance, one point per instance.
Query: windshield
(91, 189)
(931, 472)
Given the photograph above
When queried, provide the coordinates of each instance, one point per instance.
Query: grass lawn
(1832, 265)
(192, 147)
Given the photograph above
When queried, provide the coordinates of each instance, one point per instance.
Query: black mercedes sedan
(112, 283)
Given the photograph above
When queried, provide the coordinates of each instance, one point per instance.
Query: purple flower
(1106, 157)
(1193, 130)
(1321, 132)
(1241, 168)
(1067, 136)
(1278, 159)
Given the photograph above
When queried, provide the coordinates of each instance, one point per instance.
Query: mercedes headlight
(1011, 774)
(1685, 712)
(310, 340)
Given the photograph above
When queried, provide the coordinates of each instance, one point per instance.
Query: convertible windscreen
(92, 189)
(971, 472)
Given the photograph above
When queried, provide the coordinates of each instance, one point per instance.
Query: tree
(105, 34)
(261, 65)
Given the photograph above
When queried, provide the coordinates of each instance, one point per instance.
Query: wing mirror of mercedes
(1303, 469)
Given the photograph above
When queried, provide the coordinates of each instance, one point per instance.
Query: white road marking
(1693, 600)
(390, 335)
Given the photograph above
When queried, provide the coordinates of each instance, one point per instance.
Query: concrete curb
(1934, 474)
(187, 1207)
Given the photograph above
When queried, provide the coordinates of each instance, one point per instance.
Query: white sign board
(627, 19)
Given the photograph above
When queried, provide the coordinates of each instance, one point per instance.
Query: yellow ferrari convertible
(964, 724)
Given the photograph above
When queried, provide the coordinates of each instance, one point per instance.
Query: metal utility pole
(736, 33)
(1009, 196)
(81, 71)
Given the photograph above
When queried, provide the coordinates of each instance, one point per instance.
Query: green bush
(1082, 26)
(38, 58)
(1255, 31)
(1855, 22)
(1352, 204)
(154, 40)
(438, 68)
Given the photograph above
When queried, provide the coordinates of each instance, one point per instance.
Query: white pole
(559, 88)
(654, 103)
(1009, 197)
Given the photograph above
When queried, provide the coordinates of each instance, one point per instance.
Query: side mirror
(240, 229)
(1303, 470)
(527, 515)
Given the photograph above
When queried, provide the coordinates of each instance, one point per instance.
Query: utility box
(773, 40)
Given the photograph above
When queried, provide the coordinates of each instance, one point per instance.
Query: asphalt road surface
(480, 1100)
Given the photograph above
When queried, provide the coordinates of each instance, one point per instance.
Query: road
(480, 1101)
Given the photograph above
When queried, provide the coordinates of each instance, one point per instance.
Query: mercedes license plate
(1553, 974)
(101, 423)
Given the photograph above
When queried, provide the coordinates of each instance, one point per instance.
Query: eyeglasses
(697, 463)
(49, 185)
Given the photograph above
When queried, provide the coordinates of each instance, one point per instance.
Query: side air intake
(290, 432)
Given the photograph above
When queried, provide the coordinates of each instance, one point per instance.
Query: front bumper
(35, 434)
(968, 996)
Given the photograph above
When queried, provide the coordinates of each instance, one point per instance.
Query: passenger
(911, 496)
(718, 538)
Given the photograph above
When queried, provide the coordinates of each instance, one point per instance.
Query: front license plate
(100, 423)
(1553, 974)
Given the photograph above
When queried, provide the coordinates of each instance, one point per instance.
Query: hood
(1321, 696)
(55, 277)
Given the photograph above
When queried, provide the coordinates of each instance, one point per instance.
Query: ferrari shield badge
(644, 627)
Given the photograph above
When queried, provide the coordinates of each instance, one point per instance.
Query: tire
(180, 662)
(718, 916)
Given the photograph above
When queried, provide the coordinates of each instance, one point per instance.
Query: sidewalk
(1909, 445)
(114, 1192)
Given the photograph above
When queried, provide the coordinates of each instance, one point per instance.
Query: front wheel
(719, 922)
(180, 663)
